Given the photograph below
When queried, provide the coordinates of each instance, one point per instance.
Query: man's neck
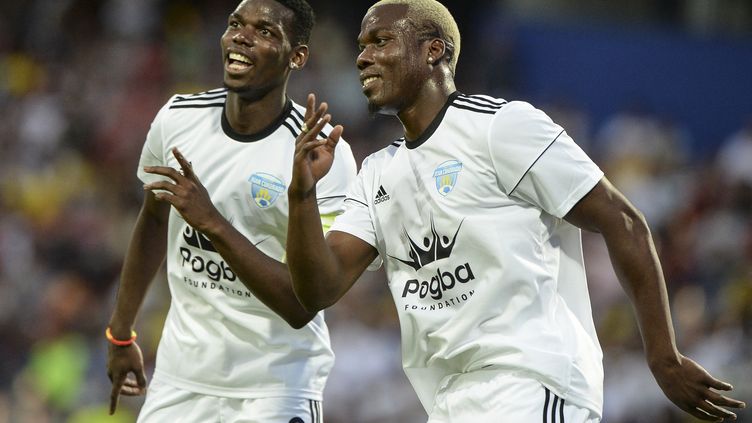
(250, 113)
(417, 116)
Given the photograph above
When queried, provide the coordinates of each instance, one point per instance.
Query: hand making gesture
(121, 361)
(186, 193)
(313, 155)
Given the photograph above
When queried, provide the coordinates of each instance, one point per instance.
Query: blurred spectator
(735, 156)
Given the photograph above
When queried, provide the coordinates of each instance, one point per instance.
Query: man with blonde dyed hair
(476, 214)
(432, 19)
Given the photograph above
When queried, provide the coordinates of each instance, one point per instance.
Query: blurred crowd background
(658, 92)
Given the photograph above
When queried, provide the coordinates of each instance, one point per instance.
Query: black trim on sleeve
(208, 92)
(486, 100)
(462, 106)
(179, 99)
(357, 201)
(479, 102)
(534, 162)
(196, 106)
(331, 197)
(434, 124)
(287, 125)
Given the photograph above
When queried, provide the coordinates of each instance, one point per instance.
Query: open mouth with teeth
(238, 62)
(367, 81)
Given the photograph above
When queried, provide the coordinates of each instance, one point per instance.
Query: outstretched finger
(310, 144)
(117, 385)
(311, 128)
(310, 124)
(715, 410)
(185, 165)
(335, 134)
(316, 129)
(312, 116)
(310, 106)
(716, 383)
(724, 401)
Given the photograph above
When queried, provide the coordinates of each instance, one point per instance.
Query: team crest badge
(265, 189)
(446, 176)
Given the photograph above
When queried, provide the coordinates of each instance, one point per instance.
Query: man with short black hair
(237, 345)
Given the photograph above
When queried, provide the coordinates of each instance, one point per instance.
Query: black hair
(303, 20)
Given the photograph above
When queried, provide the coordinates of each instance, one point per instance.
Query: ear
(436, 50)
(298, 57)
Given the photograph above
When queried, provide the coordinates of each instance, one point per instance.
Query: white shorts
(501, 396)
(165, 403)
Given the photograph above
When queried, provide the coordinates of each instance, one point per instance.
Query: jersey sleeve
(331, 190)
(152, 153)
(537, 161)
(357, 219)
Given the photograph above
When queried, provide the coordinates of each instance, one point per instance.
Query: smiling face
(256, 47)
(392, 59)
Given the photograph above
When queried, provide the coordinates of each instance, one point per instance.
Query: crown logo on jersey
(446, 175)
(436, 248)
(196, 239)
(265, 189)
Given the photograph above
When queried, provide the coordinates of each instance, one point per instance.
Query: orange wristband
(117, 342)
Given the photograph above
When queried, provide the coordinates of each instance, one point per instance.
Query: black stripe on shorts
(556, 410)
(315, 408)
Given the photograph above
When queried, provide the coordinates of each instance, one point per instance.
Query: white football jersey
(219, 339)
(484, 271)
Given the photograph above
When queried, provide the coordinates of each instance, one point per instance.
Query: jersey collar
(258, 135)
(434, 124)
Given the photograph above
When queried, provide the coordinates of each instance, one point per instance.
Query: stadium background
(658, 92)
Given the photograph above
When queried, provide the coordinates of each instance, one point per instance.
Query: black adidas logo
(381, 196)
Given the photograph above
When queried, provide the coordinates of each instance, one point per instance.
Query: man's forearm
(637, 266)
(266, 278)
(145, 255)
(312, 265)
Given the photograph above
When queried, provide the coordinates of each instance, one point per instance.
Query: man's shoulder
(478, 105)
(384, 155)
(520, 115)
(495, 108)
(190, 110)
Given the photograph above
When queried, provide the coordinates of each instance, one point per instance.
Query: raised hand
(313, 156)
(121, 361)
(186, 193)
(693, 389)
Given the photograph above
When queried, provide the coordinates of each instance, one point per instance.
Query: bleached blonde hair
(432, 19)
